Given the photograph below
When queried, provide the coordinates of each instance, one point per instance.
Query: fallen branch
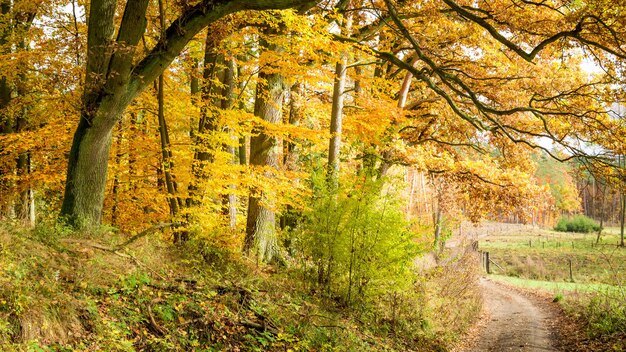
(159, 330)
(257, 326)
(143, 234)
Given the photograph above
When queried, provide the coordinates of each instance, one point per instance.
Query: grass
(60, 293)
(545, 256)
(552, 286)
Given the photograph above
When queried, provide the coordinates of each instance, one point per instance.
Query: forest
(312, 175)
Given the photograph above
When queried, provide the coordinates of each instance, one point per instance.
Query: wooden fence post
(487, 263)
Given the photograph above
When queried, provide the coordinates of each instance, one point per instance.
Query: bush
(578, 223)
(355, 243)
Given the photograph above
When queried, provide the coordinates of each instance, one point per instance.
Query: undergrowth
(63, 291)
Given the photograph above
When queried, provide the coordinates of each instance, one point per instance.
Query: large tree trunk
(87, 172)
(261, 227)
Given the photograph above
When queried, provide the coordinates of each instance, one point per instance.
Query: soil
(514, 322)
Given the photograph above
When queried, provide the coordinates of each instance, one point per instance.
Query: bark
(291, 154)
(296, 114)
(336, 121)
(336, 114)
(167, 164)
(25, 206)
(243, 141)
(112, 82)
(622, 218)
(210, 95)
(6, 125)
(104, 101)
(436, 213)
(228, 94)
(261, 234)
(116, 179)
(437, 223)
(602, 200)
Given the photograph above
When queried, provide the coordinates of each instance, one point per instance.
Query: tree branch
(185, 27)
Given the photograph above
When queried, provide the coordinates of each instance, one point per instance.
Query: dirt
(513, 321)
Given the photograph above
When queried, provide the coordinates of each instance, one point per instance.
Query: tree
(115, 76)
(16, 18)
(261, 223)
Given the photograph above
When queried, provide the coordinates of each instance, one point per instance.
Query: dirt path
(514, 322)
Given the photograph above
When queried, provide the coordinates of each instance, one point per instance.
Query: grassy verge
(546, 256)
(555, 287)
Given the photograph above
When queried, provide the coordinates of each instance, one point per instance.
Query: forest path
(514, 322)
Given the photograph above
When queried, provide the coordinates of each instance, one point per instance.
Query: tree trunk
(116, 178)
(212, 76)
(437, 224)
(336, 114)
(243, 140)
(25, 206)
(166, 163)
(291, 157)
(260, 227)
(602, 200)
(622, 217)
(87, 172)
(336, 121)
(229, 82)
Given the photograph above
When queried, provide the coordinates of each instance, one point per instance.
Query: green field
(545, 255)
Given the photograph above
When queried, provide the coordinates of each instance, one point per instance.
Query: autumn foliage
(307, 133)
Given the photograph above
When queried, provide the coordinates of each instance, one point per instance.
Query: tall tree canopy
(254, 99)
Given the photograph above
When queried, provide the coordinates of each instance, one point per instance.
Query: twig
(257, 326)
(153, 323)
(143, 233)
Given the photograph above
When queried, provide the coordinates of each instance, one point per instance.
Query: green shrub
(578, 223)
(355, 243)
